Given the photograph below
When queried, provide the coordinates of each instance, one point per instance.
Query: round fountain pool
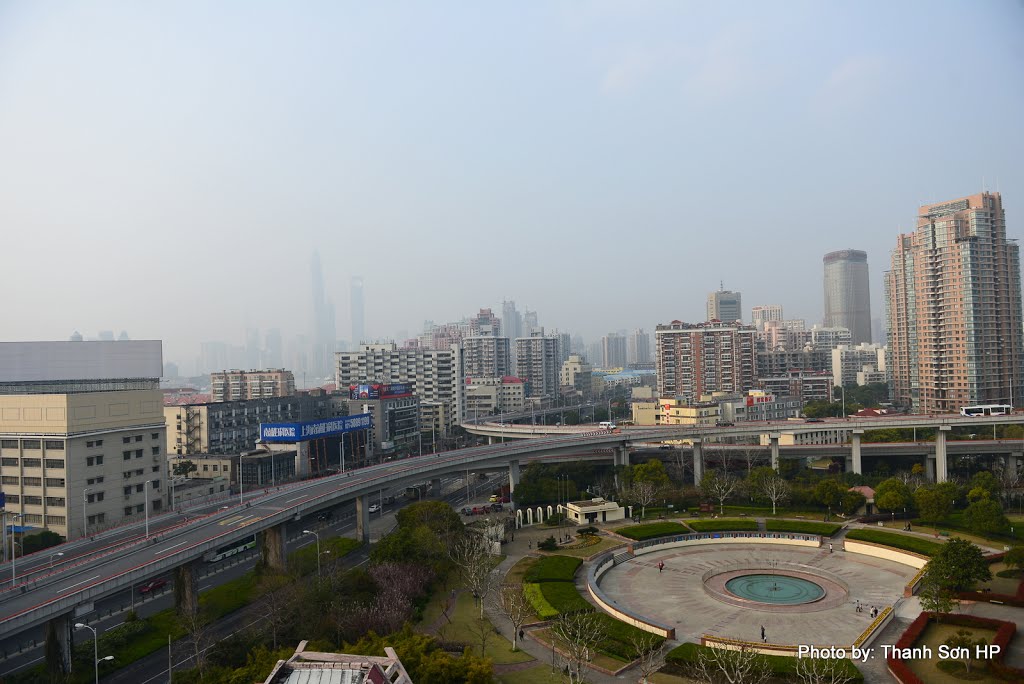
(778, 589)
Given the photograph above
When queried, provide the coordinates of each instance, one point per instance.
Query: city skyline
(658, 128)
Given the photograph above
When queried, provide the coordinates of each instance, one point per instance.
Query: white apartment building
(486, 356)
(865, 361)
(487, 396)
(81, 433)
(830, 338)
(436, 374)
(236, 385)
(759, 315)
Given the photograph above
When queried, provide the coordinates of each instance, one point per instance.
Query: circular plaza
(796, 594)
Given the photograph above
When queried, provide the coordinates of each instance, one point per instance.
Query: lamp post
(14, 541)
(55, 555)
(85, 514)
(317, 550)
(145, 492)
(95, 650)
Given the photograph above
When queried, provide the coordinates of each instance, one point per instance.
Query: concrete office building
(577, 374)
(954, 305)
(437, 375)
(487, 396)
(848, 294)
(396, 416)
(613, 351)
(776, 363)
(725, 306)
(805, 385)
(538, 357)
(759, 315)
(231, 427)
(487, 357)
(234, 385)
(697, 359)
(82, 433)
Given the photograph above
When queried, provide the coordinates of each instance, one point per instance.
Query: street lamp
(145, 492)
(85, 514)
(55, 555)
(317, 550)
(95, 650)
(14, 541)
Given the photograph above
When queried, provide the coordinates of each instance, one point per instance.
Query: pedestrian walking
(830, 547)
(521, 634)
(661, 566)
(763, 637)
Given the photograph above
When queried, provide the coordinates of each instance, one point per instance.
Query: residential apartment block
(697, 359)
(538, 358)
(82, 433)
(236, 385)
(487, 356)
(849, 363)
(487, 396)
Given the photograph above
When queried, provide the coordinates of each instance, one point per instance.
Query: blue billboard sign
(313, 429)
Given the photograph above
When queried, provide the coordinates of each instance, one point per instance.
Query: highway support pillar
(273, 550)
(513, 477)
(941, 464)
(186, 589)
(363, 519)
(855, 439)
(773, 441)
(929, 467)
(698, 462)
(435, 487)
(1013, 463)
(59, 643)
(620, 457)
(490, 440)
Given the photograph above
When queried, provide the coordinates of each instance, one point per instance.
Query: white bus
(986, 410)
(231, 549)
(607, 425)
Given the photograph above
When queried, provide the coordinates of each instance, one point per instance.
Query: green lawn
(517, 573)
(589, 551)
(554, 569)
(652, 530)
(463, 628)
(933, 636)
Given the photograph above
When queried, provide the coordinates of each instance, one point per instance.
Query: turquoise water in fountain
(778, 589)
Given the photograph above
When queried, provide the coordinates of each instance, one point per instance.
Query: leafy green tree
(987, 481)
(935, 596)
(652, 471)
(852, 502)
(933, 503)
(829, 492)
(965, 643)
(1014, 558)
(183, 468)
(985, 516)
(958, 566)
(892, 494)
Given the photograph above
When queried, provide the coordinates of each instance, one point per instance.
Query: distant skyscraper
(323, 330)
(847, 293)
(358, 313)
(725, 306)
(759, 315)
(953, 298)
(638, 347)
(613, 351)
(511, 320)
(530, 323)
(274, 354)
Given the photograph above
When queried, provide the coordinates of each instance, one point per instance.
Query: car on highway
(494, 498)
(814, 420)
(324, 516)
(152, 585)
(375, 508)
(724, 423)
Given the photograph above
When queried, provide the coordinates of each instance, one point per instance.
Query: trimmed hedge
(619, 637)
(554, 569)
(803, 527)
(780, 666)
(897, 541)
(540, 605)
(652, 530)
(723, 525)
(564, 598)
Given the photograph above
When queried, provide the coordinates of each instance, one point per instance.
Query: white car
(374, 508)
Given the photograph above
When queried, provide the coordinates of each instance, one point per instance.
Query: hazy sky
(167, 168)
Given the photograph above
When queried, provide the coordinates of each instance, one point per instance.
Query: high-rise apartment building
(613, 351)
(358, 313)
(638, 347)
(847, 293)
(830, 338)
(953, 300)
(848, 362)
(539, 364)
(759, 315)
(485, 323)
(487, 357)
(725, 306)
(437, 375)
(81, 433)
(576, 373)
(254, 384)
(697, 359)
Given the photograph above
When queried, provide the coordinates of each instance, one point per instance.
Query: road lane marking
(82, 582)
(110, 628)
(295, 499)
(157, 553)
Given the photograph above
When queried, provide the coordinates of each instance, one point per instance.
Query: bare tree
(774, 488)
(650, 653)
(752, 455)
(278, 604)
(579, 634)
(719, 486)
(513, 604)
(644, 493)
(822, 671)
(482, 631)
(471, 555)
(197, 637)
(728, 666)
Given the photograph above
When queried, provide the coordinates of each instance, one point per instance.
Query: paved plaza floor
(676, 595)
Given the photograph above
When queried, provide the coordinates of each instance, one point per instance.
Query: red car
(152, 585)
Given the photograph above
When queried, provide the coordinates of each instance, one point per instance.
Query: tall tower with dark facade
(848, 294)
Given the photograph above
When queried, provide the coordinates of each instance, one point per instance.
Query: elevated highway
(65, 595)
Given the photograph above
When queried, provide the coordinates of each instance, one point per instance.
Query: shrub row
(554, 569)
(652, 530)
(1004, 634)
(564, 597)
(723, 525)
(540, 605)
(803, 527)
(619, 637)
(897, 541)
(781, 666)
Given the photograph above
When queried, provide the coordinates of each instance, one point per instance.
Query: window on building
(55, 520)
(33, 500)
(32, 462)
(156, 469)
(8, 462)
(93, 460)
(126, 440)
(31, 518)
(128, 490)
(156, 484)
(55, 482)
(98, 518)
(55, 501)
(9, 479)
(55, 444)
(94, 480)
(139, 471)
(13, 498)
(140, 487)
(154, 435)
(156, 451)
(8, 444)
(127, 455)
(138, 453)
(127, 510)
(140, 508)
(32, 481)
(206, 468)
(157, 505)
(54, 463)
(215, 467)
(93, 498)
(31, 444)
(138, 438)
